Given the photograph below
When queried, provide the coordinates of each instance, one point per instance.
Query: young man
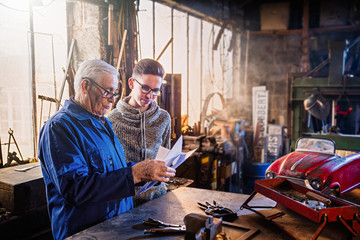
(86, 175)
(138, 122)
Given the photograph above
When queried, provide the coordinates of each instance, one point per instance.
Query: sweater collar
(126, 109)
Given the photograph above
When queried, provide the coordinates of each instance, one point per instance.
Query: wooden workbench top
(10, 175)
(173, 207)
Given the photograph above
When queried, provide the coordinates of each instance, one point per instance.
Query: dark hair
(148, 66)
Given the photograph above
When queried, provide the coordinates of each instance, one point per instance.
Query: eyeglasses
(106, 93)
(146, 89)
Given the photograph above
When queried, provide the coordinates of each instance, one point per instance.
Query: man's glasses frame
(146, 89)
(107, 94)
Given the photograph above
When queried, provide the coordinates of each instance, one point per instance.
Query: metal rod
(321, 227)
(212, 58)
(9, 141)
(246, 62)
(201, 66)
(164, 49)
(240, 62)
(153, 15)
(11, 135)
(123, 77)
(222, 59)
(1, 156)
(33, 80)
(333, 119)
(66, 72)
(187, 65)
(53, 63)
(49, 110)
(138, 32)
(41, 108)
(121, 50)
(172, 45)
(172, 105)
(318, 67)
(110, 14)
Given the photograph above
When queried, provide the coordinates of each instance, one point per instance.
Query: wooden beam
(312, 31)
(100, 3)
(190, 11)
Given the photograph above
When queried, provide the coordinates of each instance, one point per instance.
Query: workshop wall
(270, 58)
(86, 24)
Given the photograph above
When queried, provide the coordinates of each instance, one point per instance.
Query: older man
(86, 175)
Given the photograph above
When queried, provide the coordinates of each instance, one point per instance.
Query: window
(49, 21)
(203, 70)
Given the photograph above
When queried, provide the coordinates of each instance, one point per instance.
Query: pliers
(218, 211)
(163, 227)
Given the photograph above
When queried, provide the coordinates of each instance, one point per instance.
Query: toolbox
(314, 205)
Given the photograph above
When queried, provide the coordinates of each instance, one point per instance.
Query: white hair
(93, 69)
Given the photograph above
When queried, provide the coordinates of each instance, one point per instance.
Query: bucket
(252, 172)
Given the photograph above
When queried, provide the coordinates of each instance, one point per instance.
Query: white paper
(172, 158)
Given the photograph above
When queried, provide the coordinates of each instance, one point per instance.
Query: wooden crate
(21, 192)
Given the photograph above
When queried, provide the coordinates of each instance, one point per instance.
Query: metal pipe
(246, 62)
(333, 119)
(153, 15)
(121, 52)
(212, 58)
(110, 20)
(222, 59)
(164, 49)
(187, 65)
(41, 108)
(240, 58)
(33, 80)
(53, 63)
(201, 63)
(172, 106)
(66, 72)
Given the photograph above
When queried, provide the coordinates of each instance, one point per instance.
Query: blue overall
(86, 176)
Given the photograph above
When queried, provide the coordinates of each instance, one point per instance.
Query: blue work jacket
(86, 176)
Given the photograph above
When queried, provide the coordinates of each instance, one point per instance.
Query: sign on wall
(260, 116)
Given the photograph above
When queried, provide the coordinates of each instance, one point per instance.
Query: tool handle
(164, 230)
(312, 195)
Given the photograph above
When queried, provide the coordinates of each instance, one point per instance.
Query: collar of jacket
(83, 115)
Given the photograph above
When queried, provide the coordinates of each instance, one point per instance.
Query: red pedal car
(315, 164)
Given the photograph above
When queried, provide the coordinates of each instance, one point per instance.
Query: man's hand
(151, 170)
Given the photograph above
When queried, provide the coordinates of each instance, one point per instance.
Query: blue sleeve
(73, 174)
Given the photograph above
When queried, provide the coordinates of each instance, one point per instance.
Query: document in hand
(172, 158)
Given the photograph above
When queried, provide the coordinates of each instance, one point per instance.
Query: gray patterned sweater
(141, 133)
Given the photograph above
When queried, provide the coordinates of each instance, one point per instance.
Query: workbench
(175, 205)
(22, 188)
(22, 193)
